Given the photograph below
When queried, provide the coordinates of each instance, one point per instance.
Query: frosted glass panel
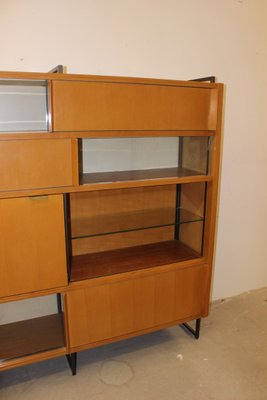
(23, 106)
(103, 155)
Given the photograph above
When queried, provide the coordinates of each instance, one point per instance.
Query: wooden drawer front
(32, 164)
(108, 311)
(32, 244)
(85, 106)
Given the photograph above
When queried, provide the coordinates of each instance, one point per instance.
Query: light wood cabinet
(110, 206)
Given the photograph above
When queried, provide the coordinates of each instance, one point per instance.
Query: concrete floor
(228, 362)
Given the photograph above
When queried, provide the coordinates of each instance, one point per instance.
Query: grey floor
(228, 362)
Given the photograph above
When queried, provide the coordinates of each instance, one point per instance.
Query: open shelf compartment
(122, 230)
(36, 335)
(28, 332)
(142, 159)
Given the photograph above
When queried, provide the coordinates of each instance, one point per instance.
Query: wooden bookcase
(108, 197)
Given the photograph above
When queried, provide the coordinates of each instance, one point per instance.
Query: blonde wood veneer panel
(85, 106)
(32, 164)
(32, 244)
(109, 311)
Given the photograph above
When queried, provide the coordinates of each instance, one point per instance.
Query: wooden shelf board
(137, 175)
(112, 262)
(36, 335)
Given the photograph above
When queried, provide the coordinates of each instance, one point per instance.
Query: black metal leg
(72, 360)
(195, 332)
(59, 303)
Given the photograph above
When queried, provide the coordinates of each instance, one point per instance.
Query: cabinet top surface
(99, 78)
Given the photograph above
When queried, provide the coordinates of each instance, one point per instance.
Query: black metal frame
(67, 232)
(57, 70)
(59, 304)
(177, 212)
(210, 79)
(195, 332)
(72, 361)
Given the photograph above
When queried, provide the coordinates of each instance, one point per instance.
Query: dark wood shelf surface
(137, 175)
(112, 262)
(23, 338)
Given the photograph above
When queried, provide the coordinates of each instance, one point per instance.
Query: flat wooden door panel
(85, 106)
(32, 244)
(103, 312)
(33, 164)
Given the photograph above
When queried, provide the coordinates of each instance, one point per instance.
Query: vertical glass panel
(23, 106)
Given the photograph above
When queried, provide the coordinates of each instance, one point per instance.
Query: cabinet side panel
(84, 106)
(32, 244)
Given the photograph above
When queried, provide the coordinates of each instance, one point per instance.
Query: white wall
(177, 39)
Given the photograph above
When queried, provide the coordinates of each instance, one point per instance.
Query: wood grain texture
(129, 259)
(33, 164)
(24, 338)
(102, 134)
(106, 312)
(85, 106)
(137, 175)
(137, 180)
(34, 358)
(101, 78)
(115, 210)
(32, 244)
(30, 295)
(121, 240)
(123, 213)
(212, 201)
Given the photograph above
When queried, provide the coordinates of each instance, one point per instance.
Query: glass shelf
(131, 221)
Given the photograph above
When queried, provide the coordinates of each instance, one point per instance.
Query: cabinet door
(84, 106)
(33, 164)
(107, 311)
(32, 244)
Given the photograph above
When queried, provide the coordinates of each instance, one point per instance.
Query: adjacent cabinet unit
(108, 197)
